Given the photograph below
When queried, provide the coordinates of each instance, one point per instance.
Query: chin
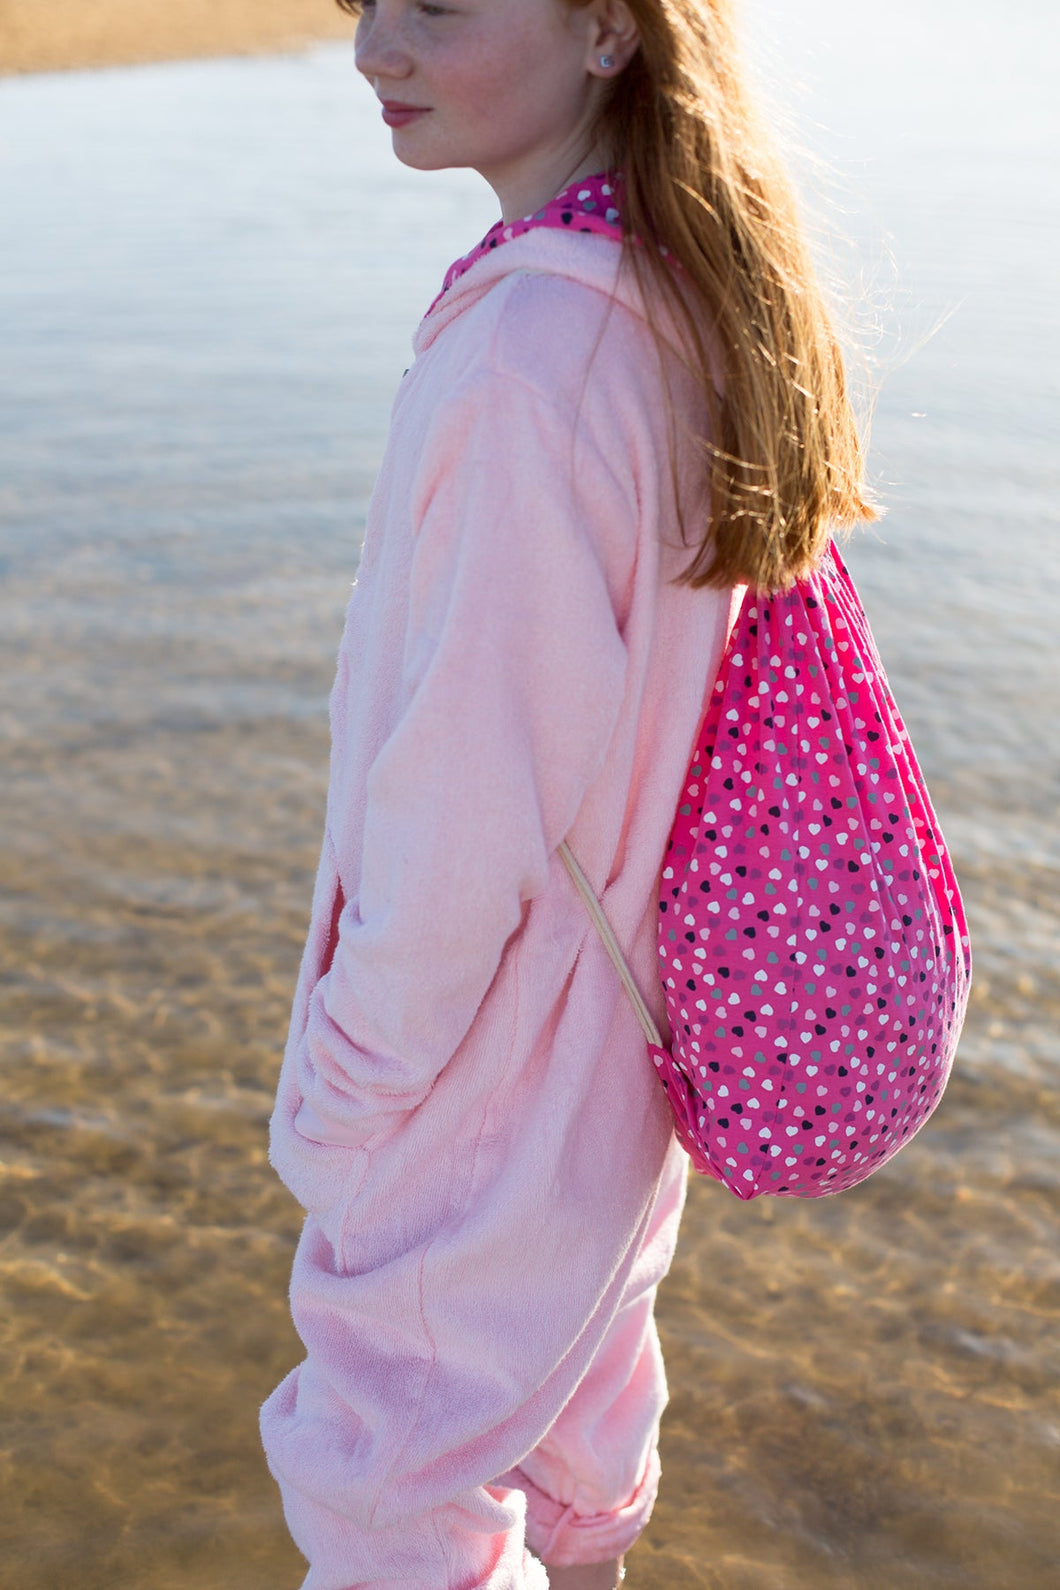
(425, 158)
(423, 162)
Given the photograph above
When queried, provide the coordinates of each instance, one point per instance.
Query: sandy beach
(67, 34)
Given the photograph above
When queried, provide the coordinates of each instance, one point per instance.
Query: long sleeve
(514, 671)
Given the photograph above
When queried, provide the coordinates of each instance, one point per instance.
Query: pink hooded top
(466, 1107)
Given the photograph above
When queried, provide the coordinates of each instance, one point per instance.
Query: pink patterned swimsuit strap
(592, 204)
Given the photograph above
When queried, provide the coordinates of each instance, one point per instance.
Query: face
(506, 87)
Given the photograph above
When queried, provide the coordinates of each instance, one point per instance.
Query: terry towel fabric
(466, 1110)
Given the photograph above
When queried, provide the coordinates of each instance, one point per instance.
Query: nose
(379, 50)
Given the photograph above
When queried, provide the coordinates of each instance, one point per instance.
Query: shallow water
(209, 278)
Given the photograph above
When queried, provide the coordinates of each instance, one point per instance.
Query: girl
(625, 404)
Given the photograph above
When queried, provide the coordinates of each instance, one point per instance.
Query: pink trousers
(582, 1495)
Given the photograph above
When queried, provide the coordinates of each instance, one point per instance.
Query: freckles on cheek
(505, 91)
(489, 75)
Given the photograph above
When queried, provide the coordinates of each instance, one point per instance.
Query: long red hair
(703, 181)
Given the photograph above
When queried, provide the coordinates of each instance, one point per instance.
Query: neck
(524, 193)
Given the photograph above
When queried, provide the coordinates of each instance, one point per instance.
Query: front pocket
(329, 1133)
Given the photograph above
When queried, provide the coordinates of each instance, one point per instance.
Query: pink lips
(396, 114)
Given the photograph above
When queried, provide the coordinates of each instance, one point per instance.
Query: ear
(612, 33)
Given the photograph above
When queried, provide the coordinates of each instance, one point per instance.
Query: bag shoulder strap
(611, 945)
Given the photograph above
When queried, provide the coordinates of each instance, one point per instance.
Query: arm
(514, 674)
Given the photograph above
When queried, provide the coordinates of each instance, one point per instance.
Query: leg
(470, 1537)
(386, 1441)
(590, 1484)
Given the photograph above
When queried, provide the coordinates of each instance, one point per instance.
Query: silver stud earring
(607, 61)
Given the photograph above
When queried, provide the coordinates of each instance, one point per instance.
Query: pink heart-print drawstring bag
(813, 946)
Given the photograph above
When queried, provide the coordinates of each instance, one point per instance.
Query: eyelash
(426, 8)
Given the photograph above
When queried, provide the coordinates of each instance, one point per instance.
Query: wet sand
(60, 35)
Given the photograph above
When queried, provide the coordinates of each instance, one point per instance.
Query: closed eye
(425, 8)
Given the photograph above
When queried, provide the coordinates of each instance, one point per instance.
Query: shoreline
(79, 35)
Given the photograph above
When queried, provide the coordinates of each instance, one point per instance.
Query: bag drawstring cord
(603, 927)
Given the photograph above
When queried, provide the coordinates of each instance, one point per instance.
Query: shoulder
(584, 352)
(567, 347)
(565, 313)
(548, 340)
(552, 331)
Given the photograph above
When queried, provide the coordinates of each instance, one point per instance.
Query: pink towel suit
(466, 1110)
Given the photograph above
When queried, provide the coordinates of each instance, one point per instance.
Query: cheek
(516, 85)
